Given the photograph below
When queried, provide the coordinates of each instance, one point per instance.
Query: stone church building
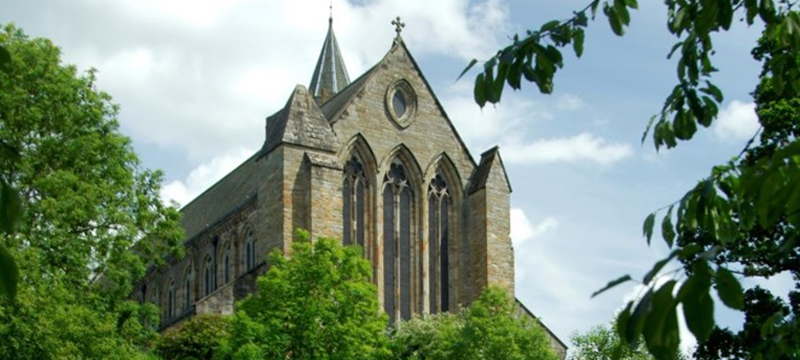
(375, 162)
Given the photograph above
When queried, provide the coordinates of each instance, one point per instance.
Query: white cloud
(203, 176)
(584, 147)
(511, 126)
(522, 230)
(570, 102)
(736, 122)
(199, 77)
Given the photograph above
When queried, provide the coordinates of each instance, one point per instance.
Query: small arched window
(250, 251)
(171, 300)
(208, 276)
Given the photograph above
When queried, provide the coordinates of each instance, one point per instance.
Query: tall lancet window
(171, 300)
(354, 193)
(398, 200)
(208, 276)
(439, 201)
(187, 292)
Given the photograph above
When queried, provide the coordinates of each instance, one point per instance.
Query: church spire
(330, 74)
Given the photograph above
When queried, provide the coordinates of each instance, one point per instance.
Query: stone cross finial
(398, 25)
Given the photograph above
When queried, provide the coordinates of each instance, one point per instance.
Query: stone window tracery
(439, 204)
(398, 200)
(354, 192)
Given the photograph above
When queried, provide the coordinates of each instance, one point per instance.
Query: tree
(196, 339)
(752, 200)
(602, 343)
(490, 328)
(87, 204)
(318, 304)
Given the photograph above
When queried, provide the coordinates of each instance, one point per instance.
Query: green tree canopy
(317, 304)
(88, 204)
(490, 328)
(602, 343)
(746, 213)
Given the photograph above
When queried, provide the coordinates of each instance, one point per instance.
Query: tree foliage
(490, 328)
(602, 343)
(746, 213)
(87, 205)
(195, 339)
(317, 304)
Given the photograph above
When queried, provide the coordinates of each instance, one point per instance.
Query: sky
(195, 80)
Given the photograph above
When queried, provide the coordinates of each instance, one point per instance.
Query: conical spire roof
(330, 74)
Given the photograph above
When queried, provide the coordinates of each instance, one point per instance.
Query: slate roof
(221, 199)
(330, 74)
(335, 105)
(481, 174)
(300, 122)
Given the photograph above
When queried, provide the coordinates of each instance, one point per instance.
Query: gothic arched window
(438, 236)
(250, 251)
(208, 276)
(398, 200)
(187, 291)
(171, 300)
(354, 193)
(226, 263)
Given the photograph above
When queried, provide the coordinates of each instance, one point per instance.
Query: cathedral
(375, 162)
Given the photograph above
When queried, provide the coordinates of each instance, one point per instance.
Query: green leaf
(638, 318)
(612, 284)
(657, 267)
(577, 42)
(667, 229)
(698, 306)
(479, 93)
(9, 274)
(661, 327)
(632, 4)
(614, 20)
(10, 208)
(622, 321)
(729, 289)
(647, 229)
(550, 25)
(469, 66)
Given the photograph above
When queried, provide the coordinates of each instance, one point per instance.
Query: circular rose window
(401, 103)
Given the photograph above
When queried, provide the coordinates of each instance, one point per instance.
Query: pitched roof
(484, 169)
(335, 105)
(221, 199)
(330, 74)
(300, 122)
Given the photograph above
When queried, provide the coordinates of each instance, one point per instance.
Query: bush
(196, 339)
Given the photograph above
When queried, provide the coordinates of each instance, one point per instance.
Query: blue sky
(195, 80)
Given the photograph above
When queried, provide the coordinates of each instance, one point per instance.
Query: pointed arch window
(439, 201)
(171, 300)
(354, 194)
(250, 251)
(226, 263)
(187, 291)
(398, 200)
(208, 276)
